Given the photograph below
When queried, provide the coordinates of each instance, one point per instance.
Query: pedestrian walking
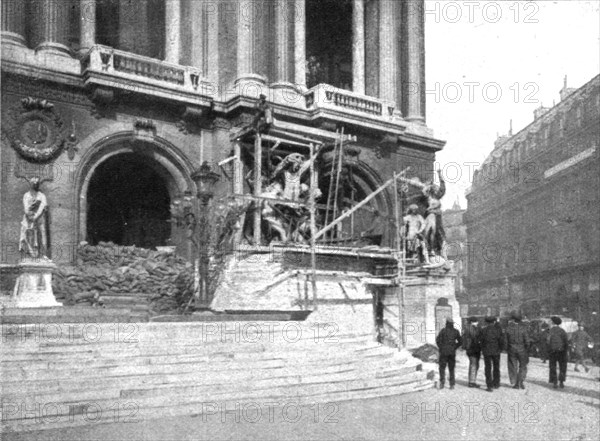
(472, 348)
(517, 344)
(557, 352)
(490, 340)
(580, 341)
(448, 341)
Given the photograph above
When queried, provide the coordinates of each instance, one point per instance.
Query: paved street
(537, 413)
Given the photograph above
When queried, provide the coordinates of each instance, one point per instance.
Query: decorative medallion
(36, 131)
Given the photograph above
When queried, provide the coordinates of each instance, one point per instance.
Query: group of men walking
(490, 340)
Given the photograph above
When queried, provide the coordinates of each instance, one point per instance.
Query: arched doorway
(370, 223)
(128, 202)
(120, 158)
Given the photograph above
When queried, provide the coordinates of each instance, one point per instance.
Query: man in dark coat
(558, 344)
(472, 348)
(448, 341)
(517, 348)
(490, 340)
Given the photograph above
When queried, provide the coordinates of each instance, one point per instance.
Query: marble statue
(33, 240)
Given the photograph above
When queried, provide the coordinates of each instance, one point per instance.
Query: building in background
(532, 216)
(456, 240)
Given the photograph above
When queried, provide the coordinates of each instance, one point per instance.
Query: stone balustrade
(125, 70)
(328, 97)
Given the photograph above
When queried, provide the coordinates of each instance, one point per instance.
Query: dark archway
(128, 202)
(370, 223)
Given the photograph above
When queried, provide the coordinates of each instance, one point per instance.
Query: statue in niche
(33, 240)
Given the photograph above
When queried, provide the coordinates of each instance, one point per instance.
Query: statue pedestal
(33, 288)
(428, 300)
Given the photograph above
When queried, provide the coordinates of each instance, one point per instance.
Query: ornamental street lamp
(197, 226)
(205, 180)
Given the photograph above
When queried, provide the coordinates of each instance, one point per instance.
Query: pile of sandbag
(109, 270)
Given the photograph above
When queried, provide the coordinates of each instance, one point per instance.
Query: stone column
(87, 26)
(415, 16)
(173, 31)
(300, 43)
(387, 50)
(212, 43)
(371, 9)
(246, 41)
(282, 32)
(51, 24)
(13, 22)
(358, 46)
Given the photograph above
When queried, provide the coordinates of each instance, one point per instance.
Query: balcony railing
(328, 97)
(124, 70)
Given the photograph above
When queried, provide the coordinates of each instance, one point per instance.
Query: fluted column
(13, 22)
(87, 26)
(415, 12)
(358, 46)
(282, 32)
(246, 44)
(387, 50)
(300, 43)
(173, 31)
(51, 24)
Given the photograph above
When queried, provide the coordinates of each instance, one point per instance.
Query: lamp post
(196, 226)
(205, 180)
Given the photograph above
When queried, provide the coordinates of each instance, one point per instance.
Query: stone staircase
(63, 375)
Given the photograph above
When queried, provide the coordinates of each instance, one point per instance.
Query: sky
(489, 62)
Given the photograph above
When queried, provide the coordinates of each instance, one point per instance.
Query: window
(132, 25)
(329, 43)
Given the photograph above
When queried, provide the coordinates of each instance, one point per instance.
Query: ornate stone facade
(196, 69)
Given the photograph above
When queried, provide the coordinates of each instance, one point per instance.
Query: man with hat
(517, 348)
(490, 340)
(472, 348)
(557, 352)
(448, 341)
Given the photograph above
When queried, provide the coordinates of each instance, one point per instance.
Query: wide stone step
(27, 336)
(203, 363)
(152, 407)
(207, 385)
(92, 360)
(55, 351)
(199, 376)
